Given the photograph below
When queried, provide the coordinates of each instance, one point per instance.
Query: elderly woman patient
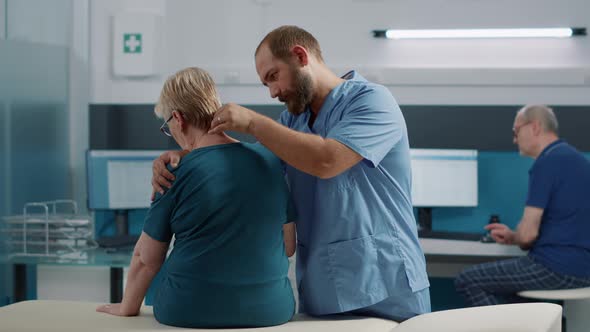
(228, 210)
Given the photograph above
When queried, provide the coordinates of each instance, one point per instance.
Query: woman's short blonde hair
(191, 92)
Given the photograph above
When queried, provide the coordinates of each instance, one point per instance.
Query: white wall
(221, 35)
(104, 87)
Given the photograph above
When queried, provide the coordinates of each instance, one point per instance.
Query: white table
(446, 258)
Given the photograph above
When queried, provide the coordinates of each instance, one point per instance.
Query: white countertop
(433, 247)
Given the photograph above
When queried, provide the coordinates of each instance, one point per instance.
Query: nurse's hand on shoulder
(232, 117)
(501, 233)
(113, 309)
(161, 176)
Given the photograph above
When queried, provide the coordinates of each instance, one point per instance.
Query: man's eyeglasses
(165, 129)
(517, 129)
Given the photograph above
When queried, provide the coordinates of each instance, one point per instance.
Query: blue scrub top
(559, 183)
(357, 238)
(228, 267)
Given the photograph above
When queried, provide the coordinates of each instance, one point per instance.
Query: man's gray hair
(541, 113)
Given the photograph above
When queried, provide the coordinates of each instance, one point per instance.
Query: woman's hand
(114, 309)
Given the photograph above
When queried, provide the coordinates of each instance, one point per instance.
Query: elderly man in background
(555, 226)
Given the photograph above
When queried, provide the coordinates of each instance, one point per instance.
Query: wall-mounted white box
(135, 42)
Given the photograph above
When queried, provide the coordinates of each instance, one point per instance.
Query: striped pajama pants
(498, 282)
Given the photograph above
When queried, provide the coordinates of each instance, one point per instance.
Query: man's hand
(501, 233)
(161, 177)
(232, 117)
(114, 309)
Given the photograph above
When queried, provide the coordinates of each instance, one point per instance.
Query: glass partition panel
(34, 142)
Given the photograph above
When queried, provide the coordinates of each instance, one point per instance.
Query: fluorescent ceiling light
(480, 33)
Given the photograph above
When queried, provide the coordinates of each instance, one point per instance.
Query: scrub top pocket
(353, 267)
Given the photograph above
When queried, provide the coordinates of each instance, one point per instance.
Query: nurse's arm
(312, 154)
(148, 257)
(289, 238)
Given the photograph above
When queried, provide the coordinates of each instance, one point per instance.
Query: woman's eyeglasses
(165, 129)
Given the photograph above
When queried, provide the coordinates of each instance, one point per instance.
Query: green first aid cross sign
(132, 43)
